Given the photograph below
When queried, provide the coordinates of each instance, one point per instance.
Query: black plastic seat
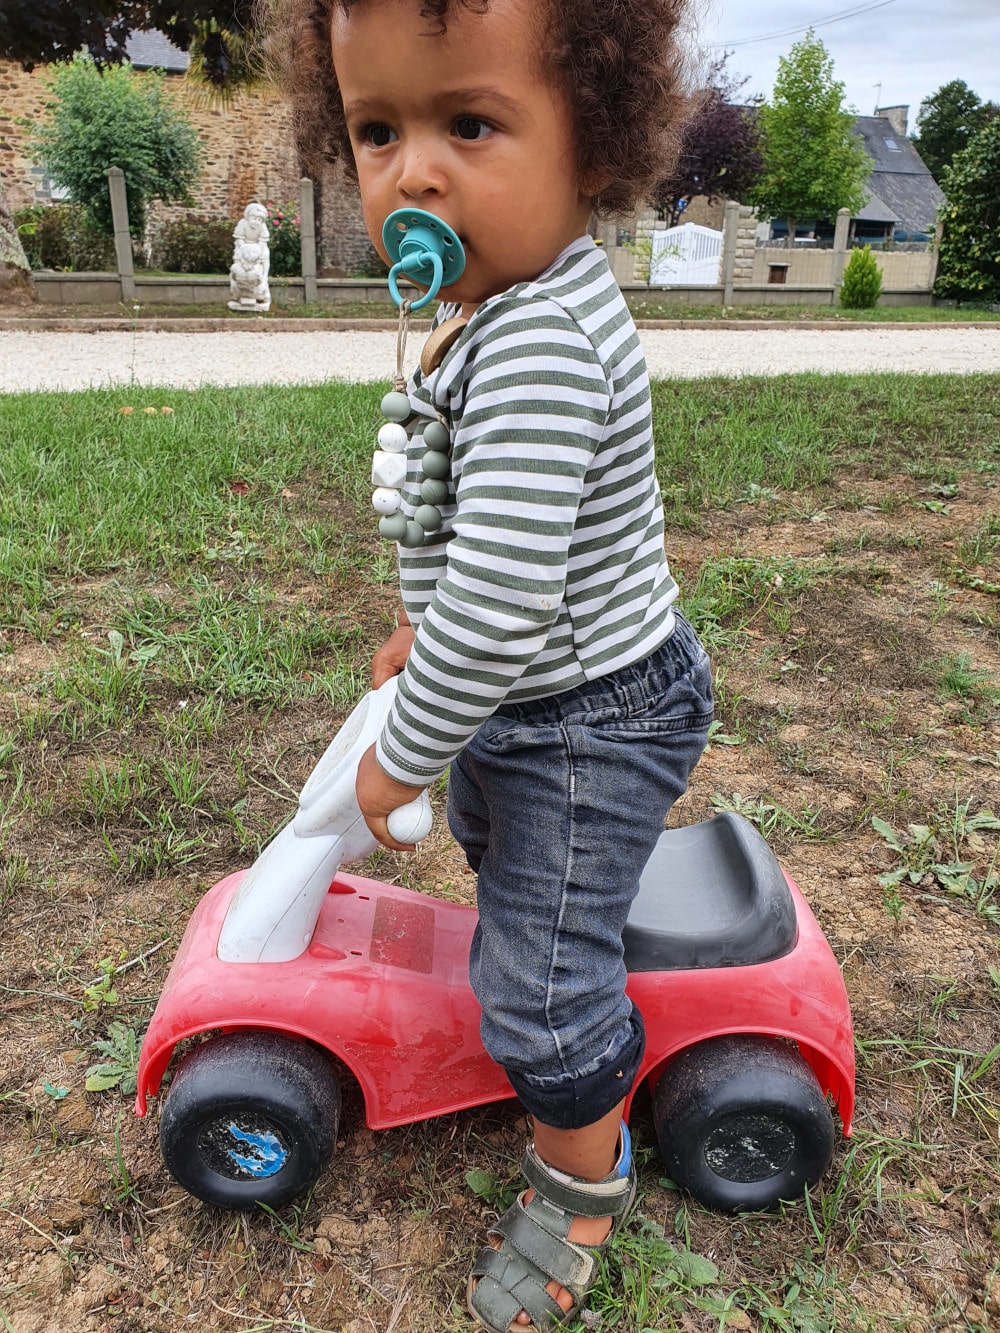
(712, 895)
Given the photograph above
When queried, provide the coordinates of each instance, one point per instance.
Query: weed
(120, 1068)
(953, 832)
(955, 676)
(101, 990)
(771, 818)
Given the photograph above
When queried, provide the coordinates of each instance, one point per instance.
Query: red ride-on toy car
(749, 1036)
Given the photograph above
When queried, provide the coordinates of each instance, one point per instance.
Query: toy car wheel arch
(251, 1117)
(742, 1122)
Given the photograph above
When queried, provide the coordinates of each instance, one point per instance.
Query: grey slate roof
(151, 50)
(902, 189)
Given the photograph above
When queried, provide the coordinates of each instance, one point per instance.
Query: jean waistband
(631, 687)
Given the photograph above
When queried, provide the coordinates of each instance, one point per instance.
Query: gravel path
(34, 361)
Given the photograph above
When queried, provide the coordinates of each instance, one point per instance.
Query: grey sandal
(534, 1249)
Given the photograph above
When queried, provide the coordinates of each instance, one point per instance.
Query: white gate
(685, 256)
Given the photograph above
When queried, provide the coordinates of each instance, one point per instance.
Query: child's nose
(421, 173)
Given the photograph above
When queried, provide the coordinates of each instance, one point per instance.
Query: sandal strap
(610, 1197)
(537, 1232)
(505, 1284)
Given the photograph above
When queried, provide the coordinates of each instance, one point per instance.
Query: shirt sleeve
(535, 411)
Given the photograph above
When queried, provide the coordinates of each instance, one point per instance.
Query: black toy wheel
(742, 1122)
(251, 1117)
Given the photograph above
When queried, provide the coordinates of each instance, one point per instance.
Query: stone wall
(901, 270)
(248, 153)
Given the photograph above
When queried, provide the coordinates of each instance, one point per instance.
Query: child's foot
(585, 1231)
(542, 1256)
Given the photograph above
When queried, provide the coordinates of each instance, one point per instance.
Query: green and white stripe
(550, 568)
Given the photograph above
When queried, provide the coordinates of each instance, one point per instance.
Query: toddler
(541, 653)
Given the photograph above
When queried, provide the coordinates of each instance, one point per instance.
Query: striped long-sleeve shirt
(549, 569)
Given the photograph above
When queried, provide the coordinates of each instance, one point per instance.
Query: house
(903, 196)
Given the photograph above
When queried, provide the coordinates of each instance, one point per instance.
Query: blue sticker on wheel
(265, 1157)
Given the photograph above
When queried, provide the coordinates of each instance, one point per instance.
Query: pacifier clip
(426, 250)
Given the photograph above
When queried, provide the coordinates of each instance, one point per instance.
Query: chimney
(897, 116)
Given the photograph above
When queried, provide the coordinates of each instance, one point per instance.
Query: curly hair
(618, 63)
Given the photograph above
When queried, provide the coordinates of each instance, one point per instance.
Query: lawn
(190, 594)
(643, 308)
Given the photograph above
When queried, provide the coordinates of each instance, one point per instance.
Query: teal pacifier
(423, 248)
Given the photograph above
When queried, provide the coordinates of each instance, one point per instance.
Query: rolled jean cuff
(573, 1103)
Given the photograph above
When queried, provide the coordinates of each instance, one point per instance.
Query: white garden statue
(251, 262)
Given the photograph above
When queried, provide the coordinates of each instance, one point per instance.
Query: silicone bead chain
(389, 462)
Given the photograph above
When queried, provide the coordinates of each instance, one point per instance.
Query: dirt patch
(836, 706)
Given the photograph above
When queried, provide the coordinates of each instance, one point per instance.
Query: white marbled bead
(386, 500)
(393, 438)
(388, 469)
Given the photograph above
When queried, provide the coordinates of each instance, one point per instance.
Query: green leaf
(102, 1077)
(696, 1269)
(482, 1183)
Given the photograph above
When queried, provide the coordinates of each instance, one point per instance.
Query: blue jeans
(558, 803)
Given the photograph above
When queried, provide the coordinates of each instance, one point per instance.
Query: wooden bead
(439, 344)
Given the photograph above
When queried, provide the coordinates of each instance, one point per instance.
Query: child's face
(464, 126)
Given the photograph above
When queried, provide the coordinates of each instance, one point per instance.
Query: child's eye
(377, 135)
(472, 127)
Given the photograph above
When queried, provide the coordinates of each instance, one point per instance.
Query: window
(892, 145)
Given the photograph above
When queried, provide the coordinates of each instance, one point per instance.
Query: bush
(64, 236)
(195, 245)
(970, 247)
(100, 118)
(862, 281)
(285, 240)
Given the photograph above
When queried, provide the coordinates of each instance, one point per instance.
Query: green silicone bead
(433, 491)
(393, 527)
(396, 406)
(414, 535)
(435, 464)
(436, 436)
(429, 517)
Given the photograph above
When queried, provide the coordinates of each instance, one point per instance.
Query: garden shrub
(285, 240)
(970, 247)
(194, 244)
(111, 117)
(64, 236)
(862, 281)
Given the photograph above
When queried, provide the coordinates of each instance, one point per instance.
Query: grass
(642, 307)
(189, 601)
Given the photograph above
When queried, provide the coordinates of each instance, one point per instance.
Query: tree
(720, 152)
(217, 32)
(969, 268)
(862, 285)
(111, 117)
(51, 31)
(947, 122)
(814, 161)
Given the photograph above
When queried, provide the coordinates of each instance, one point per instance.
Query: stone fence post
(730, 235)
(307, 233)
(840, 238)
(123, 241)
(935, 255)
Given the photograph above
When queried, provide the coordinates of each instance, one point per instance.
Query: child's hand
(391, 657)
(378, 795)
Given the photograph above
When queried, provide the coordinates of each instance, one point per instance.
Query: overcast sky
(910, 47)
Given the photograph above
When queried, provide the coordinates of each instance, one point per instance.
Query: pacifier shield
(423, 248)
